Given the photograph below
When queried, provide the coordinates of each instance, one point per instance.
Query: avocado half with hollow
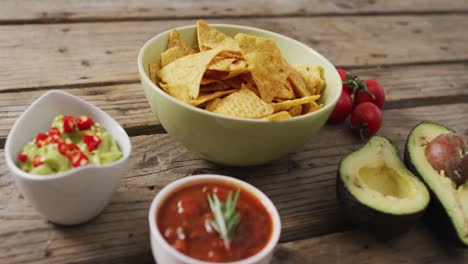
(377, 192)
(448, 211)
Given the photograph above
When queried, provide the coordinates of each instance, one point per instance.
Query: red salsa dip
(184, 219)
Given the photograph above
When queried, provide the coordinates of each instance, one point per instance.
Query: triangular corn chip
(286, 92)
(183, 76)
(298, 83)
(285, 105)
(313, 77)
(203, 98)
(153, 69)
(278, 116)
(176, 48)
(214, 87)
(311, 107)
(266, 64)
(295, 110)
(172, 54)
(211, 38)
(213, 104)
(176, 40)
(243, 103)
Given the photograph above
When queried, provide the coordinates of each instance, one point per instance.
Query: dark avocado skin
(383, 226)
(436, 217)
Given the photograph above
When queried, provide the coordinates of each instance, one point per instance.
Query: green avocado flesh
(376, 177)
(450, 198)
(54, 162)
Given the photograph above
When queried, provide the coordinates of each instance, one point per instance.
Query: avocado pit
(437, 155)
(447, 155)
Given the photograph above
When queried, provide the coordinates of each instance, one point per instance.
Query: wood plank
(128, 105)
(90, 53)
(302, 186)
(50, 10)
(418, 246)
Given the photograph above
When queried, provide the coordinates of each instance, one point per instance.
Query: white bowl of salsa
(77, 194)
(181, 221)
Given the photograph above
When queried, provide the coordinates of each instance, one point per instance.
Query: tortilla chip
(311, 107)
(214, 87)
(171, 55)
(266, 64)
(298, 83)
(295, 110)
(286, 92)
(183, 76)
(235, 82)
(285, 105)
(211, 38)
(176, 40)
(153, 69)
(203, 98)
(229, 65)
(313, 77)
(206, 81)
(213, 104)
(278, 116)
(176, 48)
(243, 103)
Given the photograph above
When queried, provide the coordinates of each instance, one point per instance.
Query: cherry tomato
(374, 94)
(41, 139)
(37, 161)
(84, 122)
(343, 74)
(53, 131)
(67, 149)
(68, 123)
(92, 141)
(343, 108)
(22, 157)
(351, 83)
(79, 159)
(366, 119)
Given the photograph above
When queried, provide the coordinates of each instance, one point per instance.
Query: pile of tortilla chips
(245, 76)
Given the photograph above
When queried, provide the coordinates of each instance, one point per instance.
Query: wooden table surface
(417, 49)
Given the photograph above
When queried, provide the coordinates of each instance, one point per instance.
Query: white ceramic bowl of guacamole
(73, 196)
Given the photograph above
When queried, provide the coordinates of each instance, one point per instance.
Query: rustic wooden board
(56, 10)
(126, 103)
(105, 53)
(404, 85)
(418, 246)
(302, 186)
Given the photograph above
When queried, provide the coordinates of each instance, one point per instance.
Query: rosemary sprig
(226, 218)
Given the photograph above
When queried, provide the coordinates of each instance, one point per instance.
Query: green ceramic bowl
(237, 141)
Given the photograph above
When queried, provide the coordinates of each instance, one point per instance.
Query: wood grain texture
(69, 10)
(302, 186)
(125, 103)
(128, 105)
(91, 53)
(418, 246)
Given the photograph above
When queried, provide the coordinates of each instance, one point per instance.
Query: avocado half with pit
(448, 211)
(377, 192)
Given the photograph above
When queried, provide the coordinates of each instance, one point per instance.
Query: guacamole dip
(70, 142)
